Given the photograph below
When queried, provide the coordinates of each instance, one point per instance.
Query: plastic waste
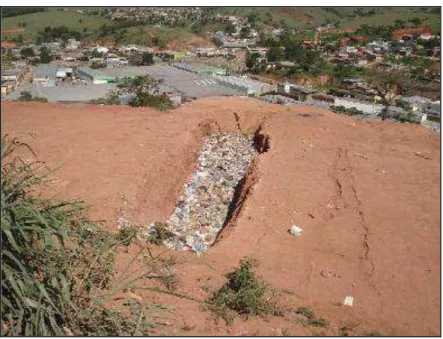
(349, 301)
(295, 230)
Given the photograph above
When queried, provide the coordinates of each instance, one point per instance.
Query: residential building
(63, 73)
(367, 108)
(100, 49)
(45, 74)
(199, 69)
(72, 44)
(116, 62)
(95, 75)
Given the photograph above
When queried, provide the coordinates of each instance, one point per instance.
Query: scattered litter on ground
(349, 301)
(424, 156)
(200, 212)
(329, 274)
(295, 230)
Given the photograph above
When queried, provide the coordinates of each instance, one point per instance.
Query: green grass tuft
(306, 311)
(126, 235)
(312, 319)
(243, 294)
(159, 233)
(56, 263)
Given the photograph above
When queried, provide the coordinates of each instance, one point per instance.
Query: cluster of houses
(242, 36)
(78, 64)
(364, 100)
(155, 15)
(402, 43)
(12, 76)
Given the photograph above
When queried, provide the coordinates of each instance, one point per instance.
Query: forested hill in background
(343, 17)
(94, 23)
(8, 12)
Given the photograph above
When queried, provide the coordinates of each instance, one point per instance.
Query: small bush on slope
(243, 294)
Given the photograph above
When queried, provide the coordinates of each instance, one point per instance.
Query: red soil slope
(368, 203)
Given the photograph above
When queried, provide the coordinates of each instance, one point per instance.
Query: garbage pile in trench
(201, 210)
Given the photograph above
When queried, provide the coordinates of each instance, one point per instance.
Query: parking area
(79, 93)
(91, 84)
(190, 84)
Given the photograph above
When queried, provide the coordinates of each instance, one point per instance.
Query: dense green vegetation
(347, 111)
(88, 20)
(343, 17)
(8, 12)
(27, 96)
(45, 55)
(144, 92)
(53, 17)
(62, 32)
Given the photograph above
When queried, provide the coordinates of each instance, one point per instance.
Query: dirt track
(369, 205)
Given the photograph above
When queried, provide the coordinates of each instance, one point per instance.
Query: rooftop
(45, 71)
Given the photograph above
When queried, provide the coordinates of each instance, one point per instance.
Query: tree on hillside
(230, 28)
(245, 32)
(27, 53)
(274, 54)
(252, 62)
(400, 24)
(159, 42)
(293, 50)
(416, 22)
(45, 55)
(389, 84)
(252, 19)
(147, 59)
(345, 69)
(197, 28)
(145, 91)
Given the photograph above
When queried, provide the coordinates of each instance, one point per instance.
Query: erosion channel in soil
(213, 196)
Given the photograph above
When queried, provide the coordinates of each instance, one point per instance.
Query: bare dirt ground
(13, 31)
(194, 42)
(367, 196)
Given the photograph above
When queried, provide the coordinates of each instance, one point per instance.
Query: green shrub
(161, 102)
(56, 263)
(348, 111)
(110, 99)
(320, 322)
(159, 233)
(26, 96)
(126, 234)
(312, 318)
(306, 311)
(404, 104)
(243, 294)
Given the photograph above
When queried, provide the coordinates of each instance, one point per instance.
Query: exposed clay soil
(368, 204)
(195, 42)
(13, 31)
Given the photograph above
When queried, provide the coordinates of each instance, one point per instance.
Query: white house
(72, 44)
(101, 49)
(366, 108)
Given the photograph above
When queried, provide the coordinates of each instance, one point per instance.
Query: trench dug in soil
(213, 197)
